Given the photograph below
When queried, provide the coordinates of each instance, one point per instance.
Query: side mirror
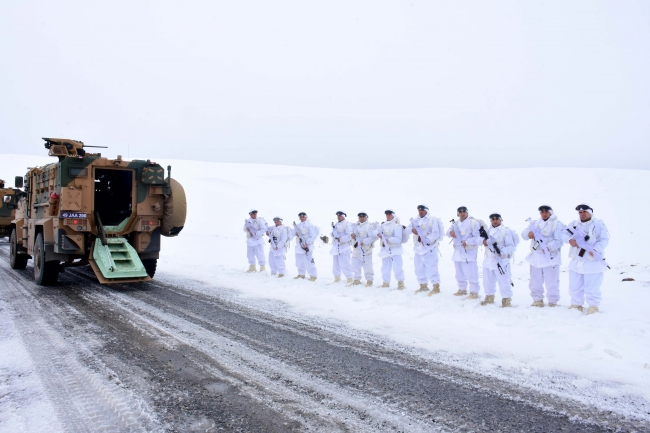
(19, 182)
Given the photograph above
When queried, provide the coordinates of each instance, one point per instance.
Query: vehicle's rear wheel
(45, 273)
(16, 261)
(150, 266)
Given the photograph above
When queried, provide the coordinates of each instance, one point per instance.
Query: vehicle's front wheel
(16, 261)
(45, 273)
(150, 266)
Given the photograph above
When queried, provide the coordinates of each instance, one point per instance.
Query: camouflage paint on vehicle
(63, 199)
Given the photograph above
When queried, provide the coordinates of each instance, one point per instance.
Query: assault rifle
(488, 240)
(334, 233)
(421, 237)
(485, 236)
(539, 238)
(385, 249)
(359, 245)
(272, 239)
(458, 240)
(581, 239)
(303, 244)
(251, 229)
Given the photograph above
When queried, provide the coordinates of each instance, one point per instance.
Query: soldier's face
(545, 214)
(363, 219)
(422, 212)
(278, 223)
(584, 215)
(253, 215)
(389, 216)
(303, 218)
(496, 222)
(340, 218)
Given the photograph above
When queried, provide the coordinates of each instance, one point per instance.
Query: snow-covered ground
(24, 406)
(608, 353)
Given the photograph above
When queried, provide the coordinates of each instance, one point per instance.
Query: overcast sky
(345, 84)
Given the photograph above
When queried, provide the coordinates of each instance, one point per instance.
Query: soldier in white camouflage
(364, 234)
(255, 229)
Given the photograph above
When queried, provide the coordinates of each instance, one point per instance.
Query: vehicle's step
(117, 261)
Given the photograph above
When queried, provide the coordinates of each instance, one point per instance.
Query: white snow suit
(279, 237)
(544, 267)
(496, 267)
(426, 250)
(255, 241)
(305, 260)
(391, 250)
(366, 234)
(586, 273)
(465, 257)
(341, 237)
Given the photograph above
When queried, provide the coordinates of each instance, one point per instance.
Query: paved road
(160, 357)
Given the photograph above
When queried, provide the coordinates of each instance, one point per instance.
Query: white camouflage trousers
(341, 263)
(277, 261)
(467, 271)
(549, 277)
(395, 264)
(256, 251)
(365, 263)
(426, 268)
(493, 276)
(585, 285)
(305, 264)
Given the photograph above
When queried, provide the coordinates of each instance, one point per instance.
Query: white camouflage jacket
(434, 233)
(470, 234)
(598, 239)
(342, 231)
(259, 227)
(366, 234)
(279, 236)
(308, 232)
(392, 233)
(551, 230)
(506, 244)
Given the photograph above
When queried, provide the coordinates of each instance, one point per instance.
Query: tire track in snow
(84, 402)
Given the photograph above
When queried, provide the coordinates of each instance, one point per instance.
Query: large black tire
(150, 266)
(16, 261)
(45, 273)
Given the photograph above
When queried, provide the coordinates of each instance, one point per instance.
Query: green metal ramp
(117, 262)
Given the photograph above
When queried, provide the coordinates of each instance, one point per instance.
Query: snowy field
(606, 356)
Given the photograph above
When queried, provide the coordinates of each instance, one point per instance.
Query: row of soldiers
(353, 245)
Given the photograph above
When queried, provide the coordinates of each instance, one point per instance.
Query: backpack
(405, 235)
(289, 230)
(480, 223)
(515, 237)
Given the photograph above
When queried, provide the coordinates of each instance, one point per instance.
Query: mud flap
(118, 262)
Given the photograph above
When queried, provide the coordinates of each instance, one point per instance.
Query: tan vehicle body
(72, 202)
(8, 203)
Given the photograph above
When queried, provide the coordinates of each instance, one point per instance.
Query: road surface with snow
(162, 356)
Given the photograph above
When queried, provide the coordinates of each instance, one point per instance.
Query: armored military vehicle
(8, 202)
(89, 210)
